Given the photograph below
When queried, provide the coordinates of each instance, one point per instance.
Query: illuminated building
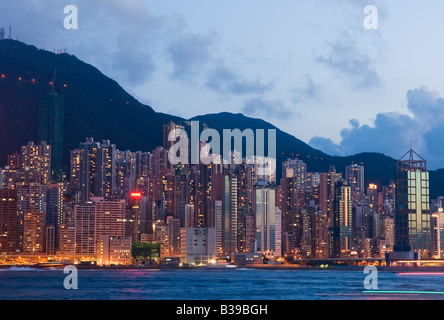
(85, 225)
(229, 215)
(14, 162)
(438, 223)
(54, 208)
(298, 169)
(110, 219)
(34, 231)
(388, 232)
(354, 175)
(319, 236)
(198, 246)
(162, 237)
(412, 214)
(93, 170)
(372, 197)
(37, 158)
(436, 236)
(8, 221)
(67, 240)
(50, 240)
(268, 221)
(114, 251)
(29, 196)
(342, 222)
(51, 128)
(186, 215)
(174, 237)
(292, 203)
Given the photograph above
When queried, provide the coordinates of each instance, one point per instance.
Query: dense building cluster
(119, 207)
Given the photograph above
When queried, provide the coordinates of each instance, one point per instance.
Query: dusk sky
(308, 67)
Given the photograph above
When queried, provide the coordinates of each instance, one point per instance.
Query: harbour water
(218, 284)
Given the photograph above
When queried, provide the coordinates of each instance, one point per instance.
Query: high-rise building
(174, 237)
(298, 169)
(437, 208)
(29, 196)
(186, 215)
(268, 221)
(343, 220)
(38, 159)
(54, 208)
(436, 236)
(34, 231)
(230, 213)
(412, 214)
(67, 240)
(319, 237)
(354, 175)
(8, 221)
(93, 170)
(110, 219)
(50, 240)
(85, 225)
(51, 128)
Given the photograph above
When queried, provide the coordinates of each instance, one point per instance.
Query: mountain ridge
(97, 106)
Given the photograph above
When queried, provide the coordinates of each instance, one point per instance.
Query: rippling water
(234, 284)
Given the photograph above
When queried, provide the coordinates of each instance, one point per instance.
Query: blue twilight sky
(308, 67)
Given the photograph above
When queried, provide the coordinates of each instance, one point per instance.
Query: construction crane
(52, 83)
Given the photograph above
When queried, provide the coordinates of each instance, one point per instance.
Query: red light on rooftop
(136, 195)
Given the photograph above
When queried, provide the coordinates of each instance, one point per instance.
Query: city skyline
(135, 164)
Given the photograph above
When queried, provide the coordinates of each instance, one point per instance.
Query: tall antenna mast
(10, 32)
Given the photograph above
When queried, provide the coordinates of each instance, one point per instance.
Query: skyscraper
(38, 159)
(412, 215)
(93, 170)
(85, 225)
(354, 175)
(54, 208)
(268, 221)
(34, 231)
(342, 220)
(8, 221)
(51, 128)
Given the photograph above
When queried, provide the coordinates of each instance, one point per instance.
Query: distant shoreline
(256, 267)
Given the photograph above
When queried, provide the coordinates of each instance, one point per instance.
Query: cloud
(189, 54)
(266, 109)
(224, 80)
(307, 90)
(345, 59)
(393, 132)
(122, 38)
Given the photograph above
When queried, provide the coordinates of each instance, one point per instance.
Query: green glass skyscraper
(412, 216)
(51, 126)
